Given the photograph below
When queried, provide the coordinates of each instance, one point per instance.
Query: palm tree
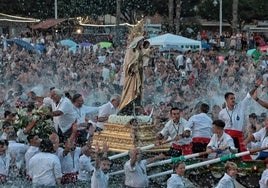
(118, 11)
(234, 12)
(170, 15)
(178, 16)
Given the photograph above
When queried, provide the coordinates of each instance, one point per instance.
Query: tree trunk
(234, 21)
(178, 16)
(170, 15)
(118, 13)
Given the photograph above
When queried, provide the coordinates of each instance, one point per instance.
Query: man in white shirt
(106, 110)
(103, 164)
(234, 114)
(5, 161)
(69, 158)
(221, 143)
(201, 127)
(44, 167)
(5, 128)
(85, 166)
(262, 137)
(180, 61)
(17, 150)
(63, 114)
(174, 129)
(81, 115)
(135, 169)
(34, 142)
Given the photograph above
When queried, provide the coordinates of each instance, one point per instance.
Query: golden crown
(136, 31)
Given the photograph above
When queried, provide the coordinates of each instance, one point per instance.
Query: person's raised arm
(252, 93)
(155, 158)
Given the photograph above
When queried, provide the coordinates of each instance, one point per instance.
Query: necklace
(230, 116)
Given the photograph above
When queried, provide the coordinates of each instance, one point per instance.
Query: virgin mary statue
(132, 72)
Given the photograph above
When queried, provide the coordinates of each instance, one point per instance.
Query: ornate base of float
(121, 138)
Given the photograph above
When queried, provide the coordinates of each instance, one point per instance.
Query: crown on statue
(136, 31)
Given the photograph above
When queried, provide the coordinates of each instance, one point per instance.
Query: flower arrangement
(36, 120)
(124, 120)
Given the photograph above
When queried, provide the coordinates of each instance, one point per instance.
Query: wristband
(257, 99)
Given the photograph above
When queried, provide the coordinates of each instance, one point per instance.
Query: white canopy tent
(175, 40)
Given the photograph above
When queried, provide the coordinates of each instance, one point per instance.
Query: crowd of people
(184, 90)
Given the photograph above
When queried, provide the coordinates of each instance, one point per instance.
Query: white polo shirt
(234, 119)
(172, 129)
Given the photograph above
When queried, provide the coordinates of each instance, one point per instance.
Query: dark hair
(145, 43)
(6, 124)
(174, 108)
(50, 89)
(46, 146)
(30, 136)
(75, 97)
(4, 142)
(204, 108)
(106, 159)
(265, 160)
(177, 164)
(6, 113)
(252, 115)
(219, 123)
(228, 94)
(68, 95)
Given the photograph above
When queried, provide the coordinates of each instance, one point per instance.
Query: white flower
(123, 120)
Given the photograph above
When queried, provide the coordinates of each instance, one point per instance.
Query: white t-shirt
(99, 179)
(32, 150)
(136, 176)
(17, 150)
(4, 164)
(68, 117)
(85, 168)
(201, 125)
(106, 110)
(175, 181)
(44, 169)
(261, 136)
(226, 182)
(69, 163)
(82, 112)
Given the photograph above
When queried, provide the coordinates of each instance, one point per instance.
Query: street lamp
(215, 2)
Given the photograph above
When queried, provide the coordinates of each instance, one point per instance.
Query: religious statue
(133, 77)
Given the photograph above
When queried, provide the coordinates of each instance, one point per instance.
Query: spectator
(229, 177)
(48, 172)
